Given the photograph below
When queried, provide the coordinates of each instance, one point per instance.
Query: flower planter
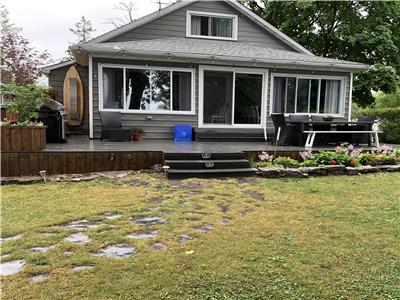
(137, 136)
(23, 139)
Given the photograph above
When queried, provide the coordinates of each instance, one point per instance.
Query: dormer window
(211, 25)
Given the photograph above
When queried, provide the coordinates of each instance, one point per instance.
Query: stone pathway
(159, 246)
(39, 278)
(111, 216)
(42, 249)
(184, 238)
(12, 267)
(82, 225)
(255, 195)
(11, 238)
(78, 238)
(83, 268)
(148, 221)
(204, 228)
(119, 251)
(142, 235)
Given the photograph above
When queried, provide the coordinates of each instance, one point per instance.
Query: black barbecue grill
(52, 115)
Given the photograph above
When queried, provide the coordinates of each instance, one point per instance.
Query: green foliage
(377, 159)
(308, 163)
(362, 31)
(286, 162)
(334, 158)
(24, 100)
(389, 123)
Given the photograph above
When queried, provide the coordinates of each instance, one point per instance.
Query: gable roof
(180, 4)
(192, 50)
(47, 69)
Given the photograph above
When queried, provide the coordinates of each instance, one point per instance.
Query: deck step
(208, 164)
(200, 173)
(203, 156)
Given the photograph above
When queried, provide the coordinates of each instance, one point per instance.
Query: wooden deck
(81, 155)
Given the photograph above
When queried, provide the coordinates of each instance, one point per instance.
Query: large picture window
(147, 90)
(211, 25)
(307, 95)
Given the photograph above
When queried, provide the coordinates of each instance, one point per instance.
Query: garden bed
(345, 160)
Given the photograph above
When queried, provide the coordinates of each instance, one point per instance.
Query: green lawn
(319, 238)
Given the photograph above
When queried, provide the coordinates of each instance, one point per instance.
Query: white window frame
(263, 72)
(191, 13)
(149, 68)
(343, 82)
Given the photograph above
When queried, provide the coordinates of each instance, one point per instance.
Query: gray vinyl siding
(174, 25)
(161, 125)
(56, 82)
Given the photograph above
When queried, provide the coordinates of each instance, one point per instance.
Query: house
(212, 64)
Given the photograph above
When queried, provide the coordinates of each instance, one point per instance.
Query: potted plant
(137, 134)
(21, 132)
(328, 118)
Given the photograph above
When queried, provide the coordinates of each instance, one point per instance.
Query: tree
(128, 8)
(363, 31)
(20, 62)
(82, 30)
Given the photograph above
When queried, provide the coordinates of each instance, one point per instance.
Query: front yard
(252, 238)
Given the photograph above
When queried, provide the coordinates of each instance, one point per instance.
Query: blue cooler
(183, 132)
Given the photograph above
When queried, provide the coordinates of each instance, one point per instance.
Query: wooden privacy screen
(73, 97)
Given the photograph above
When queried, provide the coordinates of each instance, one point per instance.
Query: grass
(320, 238)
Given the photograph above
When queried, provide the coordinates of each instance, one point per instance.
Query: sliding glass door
(232, 98)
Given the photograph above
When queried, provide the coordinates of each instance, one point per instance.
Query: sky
(45, 23)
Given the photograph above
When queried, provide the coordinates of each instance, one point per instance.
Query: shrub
(308, 163)
(24, 100)
(335, 158)
(286, 162)
(377, 159)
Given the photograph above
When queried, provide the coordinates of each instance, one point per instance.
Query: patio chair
(302, 121)
(112, 127)
(289, 134)
(367, 123)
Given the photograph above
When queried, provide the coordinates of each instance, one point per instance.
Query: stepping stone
(12, 267)
(119, 251)
(142, 235)
(255, 195)
(82, 225)
(111, 216)
(42, 249)
(184, 238)
(47, 234)
(204, 228)
(78, 238)
(148, 221)
(155, 201)
(10, 238)
(159, 246)
(83, 268)
(223, 208)
(39, 278)
(247, 180)
(225, 220)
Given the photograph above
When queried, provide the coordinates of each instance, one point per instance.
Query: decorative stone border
(305, 172)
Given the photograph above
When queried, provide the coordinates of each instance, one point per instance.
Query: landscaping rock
(271, 172)
(20, 180)
(255, 195)
(114, 174)
(83, 268)
(111, 216)
(159, 246)
(73, 178)
(10, 238)
(293, 173)
(143, 235)
(184, 238)
(334, 170)
(119, 251)
(148, 221)
(82, 225)
(78, 238)
(225, 220)
(314, 171)
(42, 249)
(204, 228)
(39, 278)
(367, 169)
(12, 267)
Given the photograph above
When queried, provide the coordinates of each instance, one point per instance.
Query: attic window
(211, 25)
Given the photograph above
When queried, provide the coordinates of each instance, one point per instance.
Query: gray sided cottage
(212, 64)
